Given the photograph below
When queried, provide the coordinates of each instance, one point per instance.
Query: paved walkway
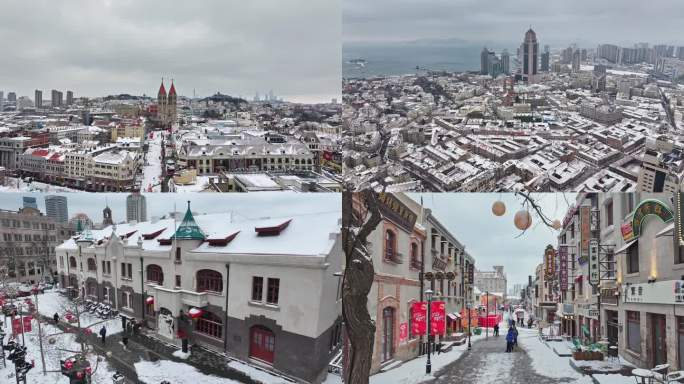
(488, 362)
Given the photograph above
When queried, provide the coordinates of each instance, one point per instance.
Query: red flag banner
(403, 332)
(418, 318)
(16, 326)
(27, 323)
(438, 314)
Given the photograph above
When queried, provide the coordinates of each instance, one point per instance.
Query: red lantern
(149, 300)
(89, 371)
(79, 374)
(68, 364)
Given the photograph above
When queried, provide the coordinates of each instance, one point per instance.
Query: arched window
(91, 265)
(209, 280)
(390, 240)
(72, 262)
(155, 273)
(210, 325)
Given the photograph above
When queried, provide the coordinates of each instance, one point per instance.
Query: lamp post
(487, 315)
(470, 331)
(428, 294)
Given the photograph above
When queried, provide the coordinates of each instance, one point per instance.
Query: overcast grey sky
(490, 239)
(243, 205)
(101, 47)
(503, 22)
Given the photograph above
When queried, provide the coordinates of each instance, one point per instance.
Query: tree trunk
(357, 282)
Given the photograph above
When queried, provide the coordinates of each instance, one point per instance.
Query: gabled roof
(188, 229)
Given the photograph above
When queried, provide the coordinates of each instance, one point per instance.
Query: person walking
(103, 334)
(515, 338)
(509, 340)
(496, 329)
(55, 317)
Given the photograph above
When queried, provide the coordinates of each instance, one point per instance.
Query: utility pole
(40, 334)
(487, 315)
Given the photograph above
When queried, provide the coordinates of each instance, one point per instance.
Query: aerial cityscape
(568, 118)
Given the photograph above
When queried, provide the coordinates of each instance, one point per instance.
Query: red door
(261, 344)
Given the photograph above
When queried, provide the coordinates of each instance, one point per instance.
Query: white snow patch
(181, 355)
(258, 374)
(180, 373)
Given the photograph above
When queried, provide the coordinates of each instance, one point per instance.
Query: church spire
(162, 90)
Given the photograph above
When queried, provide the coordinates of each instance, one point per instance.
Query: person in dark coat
(509, 340)
(515, 337)
(55, 317)
(496, 330)
(103, 334)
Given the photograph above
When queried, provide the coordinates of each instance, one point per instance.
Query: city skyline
(236, 48)
(243, 206)
(500, 23)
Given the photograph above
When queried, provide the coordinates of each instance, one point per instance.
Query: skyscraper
(484, 61)
(598, 81)
(506, 62)
(530, 58)
(29, 202)
(576, 60)
(39, 99)
(69, 98)
(56, 98)
(136, 207)
(56, 208)
(545, 61)
(11, 97)
(2, 101)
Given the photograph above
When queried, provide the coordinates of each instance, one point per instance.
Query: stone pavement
(488, 362)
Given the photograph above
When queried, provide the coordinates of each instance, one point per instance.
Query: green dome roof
(188, 229)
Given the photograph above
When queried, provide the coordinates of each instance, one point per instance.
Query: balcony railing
(196, 299)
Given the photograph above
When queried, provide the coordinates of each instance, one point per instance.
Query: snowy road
(529, 363)
(152, 170)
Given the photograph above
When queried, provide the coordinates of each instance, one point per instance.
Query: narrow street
(488, 362)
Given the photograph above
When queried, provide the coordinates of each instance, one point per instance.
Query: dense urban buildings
(585, 123)
(56, 208)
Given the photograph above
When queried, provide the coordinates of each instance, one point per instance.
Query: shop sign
(394, 210)
(549, 261)
(438, 263)
(471, 273)
(659, 292)
(649, 207)
(594, 273)
(563, 267)
(679, 222)
(585, 233)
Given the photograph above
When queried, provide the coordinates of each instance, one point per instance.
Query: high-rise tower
(530, 58)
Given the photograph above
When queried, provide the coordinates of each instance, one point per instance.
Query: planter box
(587, 355)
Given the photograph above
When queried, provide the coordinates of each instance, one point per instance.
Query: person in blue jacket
(510, 336)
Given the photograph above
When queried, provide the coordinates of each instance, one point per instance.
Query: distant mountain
(124, 96)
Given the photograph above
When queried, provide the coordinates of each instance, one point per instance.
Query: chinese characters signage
(419, 318)
(585, 233)
(563, 267)
(471, 273)
(659, 292)
(394, 210)
(550, 261)
(594, 275)
(403, 332)
(646, 208)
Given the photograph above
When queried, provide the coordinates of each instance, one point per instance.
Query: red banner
(418, 318)
(16, 326)
(27, 323)
(438, 314)
(563, 267)
(403, 332)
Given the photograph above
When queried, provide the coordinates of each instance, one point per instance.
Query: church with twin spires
(167, 112)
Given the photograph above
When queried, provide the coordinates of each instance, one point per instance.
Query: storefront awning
(452, 316)
(625, 247)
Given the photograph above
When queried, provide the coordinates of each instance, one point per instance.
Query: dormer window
(272, 230)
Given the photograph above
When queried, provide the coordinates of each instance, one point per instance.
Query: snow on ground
(413, 371)
(51, 301)
(181, 355)
(152, 170)
(544, 360)
(259, 375)
(102, 374)
(154, 372)
(504, 365)
(14, 184)
(200, 185)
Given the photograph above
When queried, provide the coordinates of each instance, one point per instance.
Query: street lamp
(428, 294)
(470, 331)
